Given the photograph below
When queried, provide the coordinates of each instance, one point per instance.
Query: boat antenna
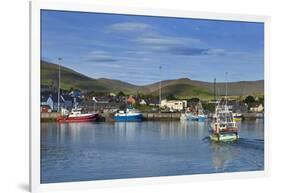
(59, 60)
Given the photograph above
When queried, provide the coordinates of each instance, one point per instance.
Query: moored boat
(237, 116)
(130, 114)
(202, 117)
(76, 115)
(186, 116)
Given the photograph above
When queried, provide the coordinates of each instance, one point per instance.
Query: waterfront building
(173, 105)
(131, 100)
(142, 102)
(51, 99)
(257, 109)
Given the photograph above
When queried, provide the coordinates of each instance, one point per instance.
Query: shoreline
(105, 117)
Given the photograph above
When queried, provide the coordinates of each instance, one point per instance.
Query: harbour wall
(51, 117)
(161, 116)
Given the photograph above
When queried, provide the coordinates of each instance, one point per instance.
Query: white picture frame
(36, 6)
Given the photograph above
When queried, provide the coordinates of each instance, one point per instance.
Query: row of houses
(234, 105)
(49, 100)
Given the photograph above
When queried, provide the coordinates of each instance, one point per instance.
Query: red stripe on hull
(89, 118)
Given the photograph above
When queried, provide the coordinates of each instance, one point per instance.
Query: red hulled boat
(76, 115)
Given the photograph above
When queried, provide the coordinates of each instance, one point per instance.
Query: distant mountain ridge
(177, 87)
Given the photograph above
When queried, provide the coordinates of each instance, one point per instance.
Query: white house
(257, 109)
(142, 102)
(174, 105)
(48, 101)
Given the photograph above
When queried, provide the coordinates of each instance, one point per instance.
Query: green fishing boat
(223, 126)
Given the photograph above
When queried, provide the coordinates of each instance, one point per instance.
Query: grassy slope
(184, 91)
(71, 78)
(183, 87)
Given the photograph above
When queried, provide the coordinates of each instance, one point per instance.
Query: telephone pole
(59, 60)
(226, 79)
(160, 82)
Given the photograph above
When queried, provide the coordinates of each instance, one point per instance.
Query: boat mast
(215, 93)
(59, 59)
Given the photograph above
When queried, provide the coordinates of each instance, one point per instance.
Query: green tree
(171, 97)
(120, 94)
(193, 100)
(249, 100)
(210, 107)
(261, 100)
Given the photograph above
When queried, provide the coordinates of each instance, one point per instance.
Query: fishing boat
(202, 117)
(195, 115)
(76, 115)
(186, 116)
(223, 126)
(237, 116)
(199, 115)
(129, 114)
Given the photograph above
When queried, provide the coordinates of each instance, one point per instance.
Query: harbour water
(99, 151)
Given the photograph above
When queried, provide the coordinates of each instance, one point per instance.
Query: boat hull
(201, 118)
(237, 118)
(88, 118)
(224, 137)
(132, 118)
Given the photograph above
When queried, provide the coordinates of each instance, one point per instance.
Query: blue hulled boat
(202, 118)
(130, 114)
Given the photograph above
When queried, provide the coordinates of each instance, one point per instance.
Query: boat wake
(241, 142)
(250, 143)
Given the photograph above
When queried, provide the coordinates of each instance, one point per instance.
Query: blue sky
(131, 48)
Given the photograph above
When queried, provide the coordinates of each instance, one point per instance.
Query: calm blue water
(99, 151)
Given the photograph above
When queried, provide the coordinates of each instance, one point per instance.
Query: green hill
(73, 79)
(182, 87)
(184, 91)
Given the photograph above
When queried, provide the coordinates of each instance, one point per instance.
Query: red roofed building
(131, 100)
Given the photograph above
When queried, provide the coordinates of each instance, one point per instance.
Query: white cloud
(100, 56)
(151, 40)
(159, 40)
(129, 27)
(107, 65)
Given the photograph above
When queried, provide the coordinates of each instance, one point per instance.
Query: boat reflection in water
(223, 154)
(101, 150)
